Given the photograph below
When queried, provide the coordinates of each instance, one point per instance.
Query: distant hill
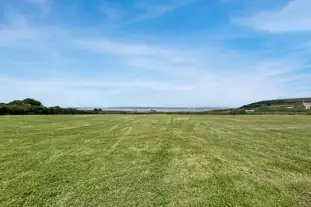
(294, 103)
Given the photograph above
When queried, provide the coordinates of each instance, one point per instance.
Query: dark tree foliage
(32, 102)
(16, 102)
(237, 112)
(32, 106)
(27, 101)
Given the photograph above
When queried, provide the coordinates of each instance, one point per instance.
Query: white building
(307, 104)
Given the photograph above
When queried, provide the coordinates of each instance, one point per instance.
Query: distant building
(307, 104)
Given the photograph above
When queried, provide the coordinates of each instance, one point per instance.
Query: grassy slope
(157, 160)
(281, 103)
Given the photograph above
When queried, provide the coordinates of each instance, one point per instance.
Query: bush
(27, 101)
(32, 106)
(237, 112)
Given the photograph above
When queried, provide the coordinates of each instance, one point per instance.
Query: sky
(194, 53)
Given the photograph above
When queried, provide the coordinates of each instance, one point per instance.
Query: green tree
(32, 102)
(16, 102)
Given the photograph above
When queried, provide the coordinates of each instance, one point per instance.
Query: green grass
(155, 160)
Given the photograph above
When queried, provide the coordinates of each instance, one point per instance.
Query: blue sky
(154, 53)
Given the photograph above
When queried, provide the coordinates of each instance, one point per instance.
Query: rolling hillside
(296, 103)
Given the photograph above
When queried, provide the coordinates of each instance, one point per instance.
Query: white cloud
(145, 56)
(293, 17)
(113, 13)
(214, 90)
(139, 11)
(203, 59)
(181, 74)
(296, 78)
(11, 36)
(159, 9)
(43, 5)
(213, 77)
(17, 31)
(85, 92)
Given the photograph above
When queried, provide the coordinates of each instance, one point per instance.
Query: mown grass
(155, 160)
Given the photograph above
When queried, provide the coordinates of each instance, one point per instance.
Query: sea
(158, 109)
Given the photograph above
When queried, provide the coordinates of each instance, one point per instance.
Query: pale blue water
(159, 109)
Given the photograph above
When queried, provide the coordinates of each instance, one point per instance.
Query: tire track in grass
(159, 192)
(123, 137)
(112, 129)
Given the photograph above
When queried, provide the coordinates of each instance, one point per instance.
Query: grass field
(155, 160)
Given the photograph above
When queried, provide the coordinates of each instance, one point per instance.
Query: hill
(295, 103)
(277, 106)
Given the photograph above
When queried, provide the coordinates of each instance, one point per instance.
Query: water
(159, 109)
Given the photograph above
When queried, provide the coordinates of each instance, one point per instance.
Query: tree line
(32, 106)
